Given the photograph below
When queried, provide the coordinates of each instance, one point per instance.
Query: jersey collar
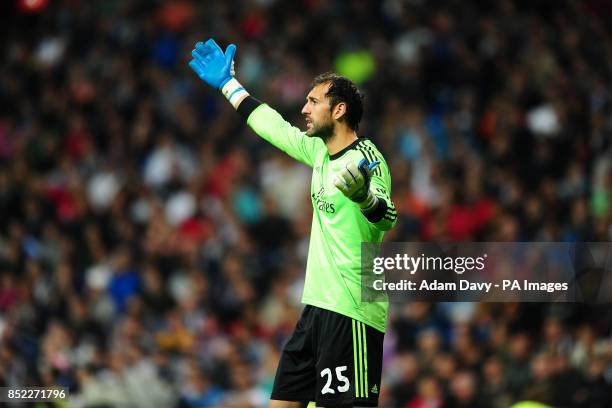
(346, 149)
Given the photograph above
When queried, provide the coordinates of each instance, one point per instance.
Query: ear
(339, 110)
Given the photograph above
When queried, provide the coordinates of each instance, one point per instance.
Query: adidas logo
(374, 389)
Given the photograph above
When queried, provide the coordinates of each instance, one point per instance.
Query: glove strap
(369, 204)
(234, 92)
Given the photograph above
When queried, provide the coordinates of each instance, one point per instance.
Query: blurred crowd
(152, 248)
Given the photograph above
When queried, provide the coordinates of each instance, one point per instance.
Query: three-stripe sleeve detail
(391, 214)
(370, 155)
(377, 170)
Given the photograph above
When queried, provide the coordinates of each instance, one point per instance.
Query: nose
(305, 110)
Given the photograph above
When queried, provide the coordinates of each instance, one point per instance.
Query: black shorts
(330, 359)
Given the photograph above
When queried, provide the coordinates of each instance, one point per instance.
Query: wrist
(234, 92)
(225, 81)
(369, 203)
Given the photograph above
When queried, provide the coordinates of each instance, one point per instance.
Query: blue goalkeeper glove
(211, 64)
(354, 182)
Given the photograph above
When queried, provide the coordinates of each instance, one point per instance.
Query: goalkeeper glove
(211, 64)
(217, 69)
(354, 182)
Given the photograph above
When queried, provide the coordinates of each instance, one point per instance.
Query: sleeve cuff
(247, 106)
(378, 213)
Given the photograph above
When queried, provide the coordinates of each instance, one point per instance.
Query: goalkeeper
(334, 356)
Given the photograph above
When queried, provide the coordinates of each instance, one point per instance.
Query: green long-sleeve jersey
(333, 271)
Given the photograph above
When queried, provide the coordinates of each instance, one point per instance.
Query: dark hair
(343, 90)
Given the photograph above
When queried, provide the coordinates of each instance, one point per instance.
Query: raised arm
(216, 69)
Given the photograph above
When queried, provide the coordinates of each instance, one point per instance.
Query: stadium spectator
(148, 257)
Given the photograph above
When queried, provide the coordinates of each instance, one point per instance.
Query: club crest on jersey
(321, 204)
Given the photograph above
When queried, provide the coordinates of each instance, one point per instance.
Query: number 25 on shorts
(327, 372)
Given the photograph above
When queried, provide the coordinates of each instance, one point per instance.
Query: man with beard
(334, 356)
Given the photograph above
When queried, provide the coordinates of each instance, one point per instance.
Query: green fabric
(529, 404)
(358, 66)
(601, 202)
(333, 278)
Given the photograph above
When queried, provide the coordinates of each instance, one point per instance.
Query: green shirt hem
(346, 312)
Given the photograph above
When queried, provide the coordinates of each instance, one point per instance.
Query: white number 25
(342, 388)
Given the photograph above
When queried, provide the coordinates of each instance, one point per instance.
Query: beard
(324, 131)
